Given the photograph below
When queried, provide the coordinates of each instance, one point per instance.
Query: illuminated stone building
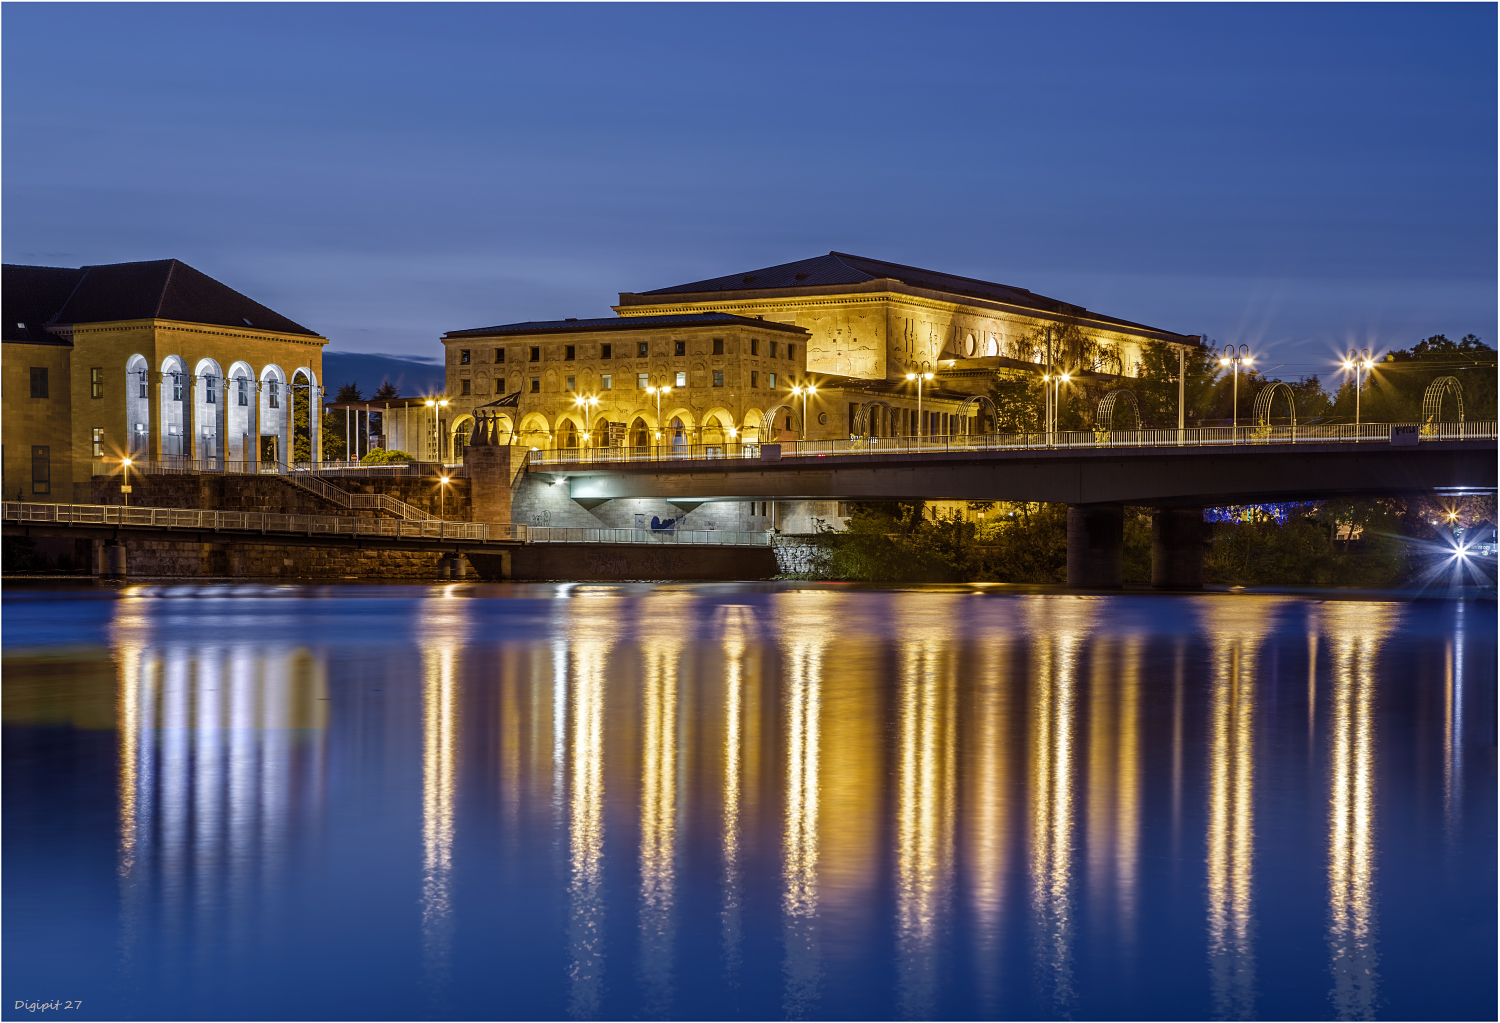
(153, 360)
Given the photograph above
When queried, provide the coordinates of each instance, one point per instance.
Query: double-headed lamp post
(804, 390)
(435, 404)
(1358, 361)
(658, 391)
(1233, 357)
(587, 403)
(1053, 382)
(919, 376)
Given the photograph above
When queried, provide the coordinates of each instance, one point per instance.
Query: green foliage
(1018, 404)
(382, 456)
(387, 390)
(348, 392)
(1394, 390)
(301, 421)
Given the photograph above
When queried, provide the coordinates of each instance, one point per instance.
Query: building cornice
(209, 330)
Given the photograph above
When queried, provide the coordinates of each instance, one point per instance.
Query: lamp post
(588, 403)
(437, 439)
(125, 488)
(919, 376)
(803, 390)
(443, 497)
(1358, 361)
(1233, 357)
(658, 391)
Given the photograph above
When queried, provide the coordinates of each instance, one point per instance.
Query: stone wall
(158, 559)
(604, 561)
(272, 494)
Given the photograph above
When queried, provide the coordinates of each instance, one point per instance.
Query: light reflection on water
(803, 802)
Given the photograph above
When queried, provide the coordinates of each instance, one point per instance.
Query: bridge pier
(113, 558)
(1177, 548)
(1096, 546)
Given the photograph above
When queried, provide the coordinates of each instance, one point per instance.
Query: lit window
(244, 390)
(96, 382)
(681, 379)
(606, 382)
(98, 442)
(211, 385)
(641, 381)
(718, 378)
(570, 386)
(770, 379)
(463, 356)
(640, 349)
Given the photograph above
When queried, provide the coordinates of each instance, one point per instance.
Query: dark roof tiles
(30, 295)
(165, 289)
(614, 323)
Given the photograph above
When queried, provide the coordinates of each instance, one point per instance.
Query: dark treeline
(1392, 392)
(1375, 543)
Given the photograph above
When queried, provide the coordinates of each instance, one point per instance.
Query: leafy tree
(384, 456)
(1394, 390)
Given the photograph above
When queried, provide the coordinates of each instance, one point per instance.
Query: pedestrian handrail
(715, 537)
(1201, 436)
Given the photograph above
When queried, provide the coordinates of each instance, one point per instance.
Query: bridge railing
(258, 522)
(1201, 436)
(702, 537)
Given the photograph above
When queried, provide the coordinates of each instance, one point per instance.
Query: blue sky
(1299, 178)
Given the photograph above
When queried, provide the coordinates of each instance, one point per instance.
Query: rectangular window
(641, 381)
(96, 382)
(754, 378)
(177, 388)
(773, 349)
(606, 382)
(570, 384)
(679, 348)
(273, 399)
(211, 386)
(754, 346)
(718, 378)
(41, 468)
(499, 354)
(569, 352)
(536, 385)
(143, 385)
(843, 509)
(718, 346)
(640, 349)
(536, 354)
(98, 442)
(770, 379)
(681, 379)
(463, 387)
(605, 350)
(791, 351)
(243, 389)
(39, 383)
(463, 356)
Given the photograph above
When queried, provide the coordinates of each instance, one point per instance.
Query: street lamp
(588, 403)
(125, 488)
(804, 390)
(1358, 361)
(443, 497)
(658, 391)
(435, 404)
(919, 377)
(1233, 357)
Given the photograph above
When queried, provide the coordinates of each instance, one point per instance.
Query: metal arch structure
(768, 422)
(962, 412)
(1432, 399)
(1105, 417)
(1266, 396)
(861, 424)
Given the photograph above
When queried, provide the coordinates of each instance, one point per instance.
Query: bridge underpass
(1096, 483)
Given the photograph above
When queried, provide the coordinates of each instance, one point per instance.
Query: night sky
(1298, 178)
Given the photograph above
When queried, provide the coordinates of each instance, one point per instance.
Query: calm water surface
(755, 801)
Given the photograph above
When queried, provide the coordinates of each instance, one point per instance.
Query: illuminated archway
(1104, 419)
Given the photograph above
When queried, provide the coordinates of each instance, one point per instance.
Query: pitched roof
(615, 323)
(165, 289)
(838, 268)
(29, 296)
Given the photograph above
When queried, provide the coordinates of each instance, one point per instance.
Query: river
(746, 801)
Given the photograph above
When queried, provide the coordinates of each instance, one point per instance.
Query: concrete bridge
(1177, 473)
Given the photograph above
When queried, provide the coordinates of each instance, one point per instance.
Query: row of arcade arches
(641, 428)
(213, 413)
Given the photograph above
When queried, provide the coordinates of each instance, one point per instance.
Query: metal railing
(302, 475)
(1202, 436)
(259, 522)
(687, 537)
(344, 525)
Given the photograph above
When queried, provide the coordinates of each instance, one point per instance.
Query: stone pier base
(1096, 546)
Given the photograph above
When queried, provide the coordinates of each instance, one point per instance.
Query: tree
(1394, 390)
(349, 392)
(387, 390)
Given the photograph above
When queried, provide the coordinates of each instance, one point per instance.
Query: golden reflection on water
(442, 642)
(737, 623)
(1230, 858)
(802, 962)
(987, 811)
(925, 769)
(1114, 780)
(1355, 632)
(1052, 779)
(585, 691)
(659, 695)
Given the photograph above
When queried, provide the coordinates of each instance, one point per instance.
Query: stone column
(255, 427)
(1177, 548)
(156, 422)
(1096, 545)
(190, 415)
(490, 477)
